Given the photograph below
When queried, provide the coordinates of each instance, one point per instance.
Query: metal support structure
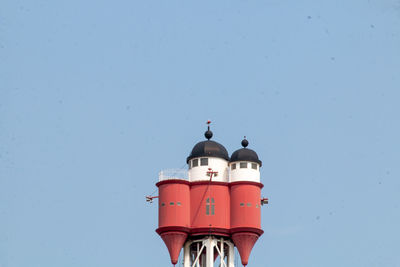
(208, 251)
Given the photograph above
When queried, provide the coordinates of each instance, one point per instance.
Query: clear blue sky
(97, 96)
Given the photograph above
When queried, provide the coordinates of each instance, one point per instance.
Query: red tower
(173, 214)
(212, 207)
(245, 200)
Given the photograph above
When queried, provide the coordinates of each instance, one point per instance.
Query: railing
(180, 174)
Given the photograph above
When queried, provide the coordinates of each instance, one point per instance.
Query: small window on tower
(210, 205)
(178, 203)
(204, 161)
(163, 204)
(248, 204)
(241, 204)
(254, 166)
(233, 166)
(171, 203)
(195, 163)
(243, 165)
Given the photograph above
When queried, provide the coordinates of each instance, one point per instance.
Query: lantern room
(205, 155)
(244, 165)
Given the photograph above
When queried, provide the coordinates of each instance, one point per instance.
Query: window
(171, 203)
(163, 204)
(208, 205)
(241, 204)
(254, 166)
(243, 165)
(195, 163)
(248, 204)
(204, 161)
(178, 203)
(233, 166)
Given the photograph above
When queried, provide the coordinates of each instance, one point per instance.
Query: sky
(96, 97)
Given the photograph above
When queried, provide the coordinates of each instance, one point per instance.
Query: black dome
(245, 154)
(208, 149)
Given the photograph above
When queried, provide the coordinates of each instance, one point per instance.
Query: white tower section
(244, 171)
(207, 155)
(198, 169)
(244, 165)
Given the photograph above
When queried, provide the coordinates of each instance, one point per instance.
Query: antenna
(208, 134)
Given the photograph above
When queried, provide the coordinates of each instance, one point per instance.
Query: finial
(245, 143)
(208, 134)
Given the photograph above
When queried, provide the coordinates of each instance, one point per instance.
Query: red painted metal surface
(244, 243)
(245, 216)
(173, 215)
(174, 242)
(209, 207)
(174, 204)
(245, 205)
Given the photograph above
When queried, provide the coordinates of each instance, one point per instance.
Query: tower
(245, 189)
(212, 207)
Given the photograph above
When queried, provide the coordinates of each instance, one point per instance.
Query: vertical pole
(231, 255)
(222, 251)
(186, 254)
(210, 252)
(198, 251)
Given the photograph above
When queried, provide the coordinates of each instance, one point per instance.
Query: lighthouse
(213, 206)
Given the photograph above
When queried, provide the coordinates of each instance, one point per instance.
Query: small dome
(208, 149)
(245, 154)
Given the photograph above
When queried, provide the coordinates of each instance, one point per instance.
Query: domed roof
(245, 154)
(208, 148)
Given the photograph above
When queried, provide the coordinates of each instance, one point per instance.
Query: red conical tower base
(174, 242)
(244, 243)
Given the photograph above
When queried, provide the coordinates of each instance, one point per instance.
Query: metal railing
(169, 174)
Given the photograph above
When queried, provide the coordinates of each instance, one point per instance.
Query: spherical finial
(208, 134)
(245, 143)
